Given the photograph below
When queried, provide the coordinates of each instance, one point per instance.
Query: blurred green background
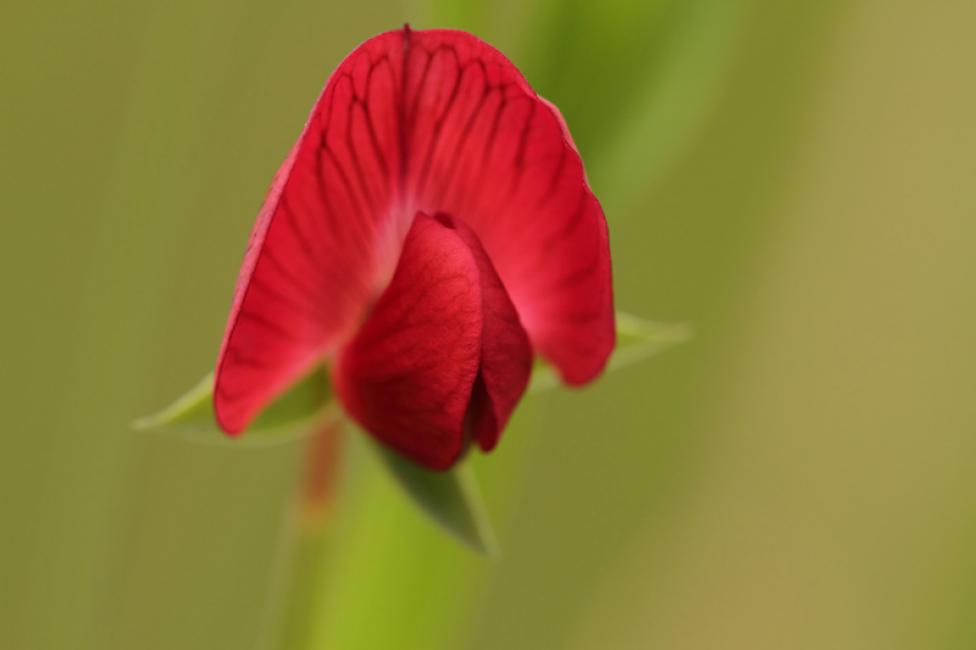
(795, 179)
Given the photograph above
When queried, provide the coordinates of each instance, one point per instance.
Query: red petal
(442, 354)
(324, 243)
(490, 151)
(433, 121)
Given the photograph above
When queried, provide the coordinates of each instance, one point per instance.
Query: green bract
(451, 498)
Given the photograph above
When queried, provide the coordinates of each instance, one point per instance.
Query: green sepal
(290, 416)
(287, 418)
(451, 498)
(637, 340)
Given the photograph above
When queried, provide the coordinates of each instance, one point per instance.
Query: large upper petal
(442, 355)
(433, 121)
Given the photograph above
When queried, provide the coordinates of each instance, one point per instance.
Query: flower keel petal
(442, 356)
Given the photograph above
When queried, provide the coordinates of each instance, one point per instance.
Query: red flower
(431, 229)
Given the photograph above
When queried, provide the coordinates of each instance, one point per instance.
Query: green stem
(305, 544)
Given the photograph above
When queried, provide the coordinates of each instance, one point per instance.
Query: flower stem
(303, 549)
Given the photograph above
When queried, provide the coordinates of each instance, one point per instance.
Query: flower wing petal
(443, 338)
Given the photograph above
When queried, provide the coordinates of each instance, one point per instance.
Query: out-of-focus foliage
(792, 179)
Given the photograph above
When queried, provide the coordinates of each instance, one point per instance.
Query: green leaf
(637, 340)
(288, 418)
(451, 498)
